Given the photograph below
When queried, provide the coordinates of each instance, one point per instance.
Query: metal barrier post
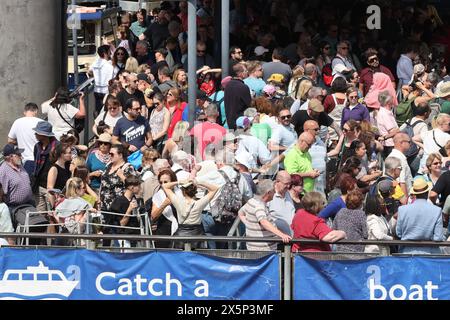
(90, 245)
(148, 229)
(27, 227)
(187, 246)
(287, 272)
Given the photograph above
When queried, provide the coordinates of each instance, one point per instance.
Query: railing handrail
(217, 238)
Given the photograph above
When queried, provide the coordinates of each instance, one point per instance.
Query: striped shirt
(255, 211)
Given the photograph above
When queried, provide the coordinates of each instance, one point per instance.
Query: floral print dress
(111, 186)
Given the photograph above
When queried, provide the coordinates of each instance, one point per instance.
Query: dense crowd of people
(323, 130)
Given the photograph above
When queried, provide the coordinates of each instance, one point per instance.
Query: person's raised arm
(82, 111)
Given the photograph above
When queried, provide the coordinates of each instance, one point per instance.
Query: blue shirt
(332, 209)
(405, 69)
(185, 116)
(132, 132)
(94, 164)
(256, 85)
(219, 98)
(420, 221)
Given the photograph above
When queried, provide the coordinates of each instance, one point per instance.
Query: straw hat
(420, 186)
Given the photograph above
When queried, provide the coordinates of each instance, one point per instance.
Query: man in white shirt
(22, 135)
(402, 143)
(103, 71)
(342, 57)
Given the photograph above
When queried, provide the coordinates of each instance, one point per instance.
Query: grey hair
(160, 164)
(263, 187)
(142, 43)
(384, 97)
(434, 78)
(314, 92)
(224, 157)
(180, 157)
(211, 110)
(391, 163)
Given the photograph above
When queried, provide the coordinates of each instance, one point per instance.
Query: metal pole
(225, 37)
(287, 272)
(75, 45)
(192, 59)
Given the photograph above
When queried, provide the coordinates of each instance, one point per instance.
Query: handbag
(78, 123)
(135, 159)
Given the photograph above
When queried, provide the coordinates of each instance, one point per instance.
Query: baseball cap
(260, 50)
(316, 105)
(143, 77)
(10, 149)
(243, 122)
(229, 137)
(276, 77)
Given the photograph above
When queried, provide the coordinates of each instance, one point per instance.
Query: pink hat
(225, 81)
(269, 89)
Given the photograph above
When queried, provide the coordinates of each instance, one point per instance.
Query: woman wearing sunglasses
(353, 109)
(98, 159)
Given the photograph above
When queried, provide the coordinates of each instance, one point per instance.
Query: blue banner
(386, 278)
(92, 275)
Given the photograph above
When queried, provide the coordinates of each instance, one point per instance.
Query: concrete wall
(30, 59)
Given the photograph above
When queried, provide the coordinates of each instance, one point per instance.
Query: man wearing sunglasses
(373, 66)
(343, 57)
(284, 135)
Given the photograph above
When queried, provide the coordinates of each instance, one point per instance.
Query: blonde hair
(180, 131)
(78, 162)
(142, 68)
(72, 185)
(149, 156)
(431, 159)
(132, 65)
(175, 78)
(303, 90)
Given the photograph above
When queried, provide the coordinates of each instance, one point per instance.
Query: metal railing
(286, 256)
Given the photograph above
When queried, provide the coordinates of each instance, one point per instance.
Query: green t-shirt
(262, 131)
(445, 107)
(297, 161)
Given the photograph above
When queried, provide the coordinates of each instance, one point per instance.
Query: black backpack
(413, 150)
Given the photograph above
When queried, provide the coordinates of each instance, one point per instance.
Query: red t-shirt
(207, 133)
(308, 226)
(175, 118)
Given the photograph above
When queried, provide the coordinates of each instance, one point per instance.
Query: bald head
(305, 141)
(283, 176)
(282, 182)
(402, 142)
(311, 127)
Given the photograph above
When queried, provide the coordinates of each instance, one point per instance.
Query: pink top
(207, 133)
(381, 82)
(385, 122)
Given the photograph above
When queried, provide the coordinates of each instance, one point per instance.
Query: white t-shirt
(5, 219)
(109, 120)
(429, 142)
(22, 132)
(60, 126)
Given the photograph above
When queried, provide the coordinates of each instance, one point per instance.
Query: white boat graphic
(36, 281)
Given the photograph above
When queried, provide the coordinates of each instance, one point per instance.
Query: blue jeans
(209, 226)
